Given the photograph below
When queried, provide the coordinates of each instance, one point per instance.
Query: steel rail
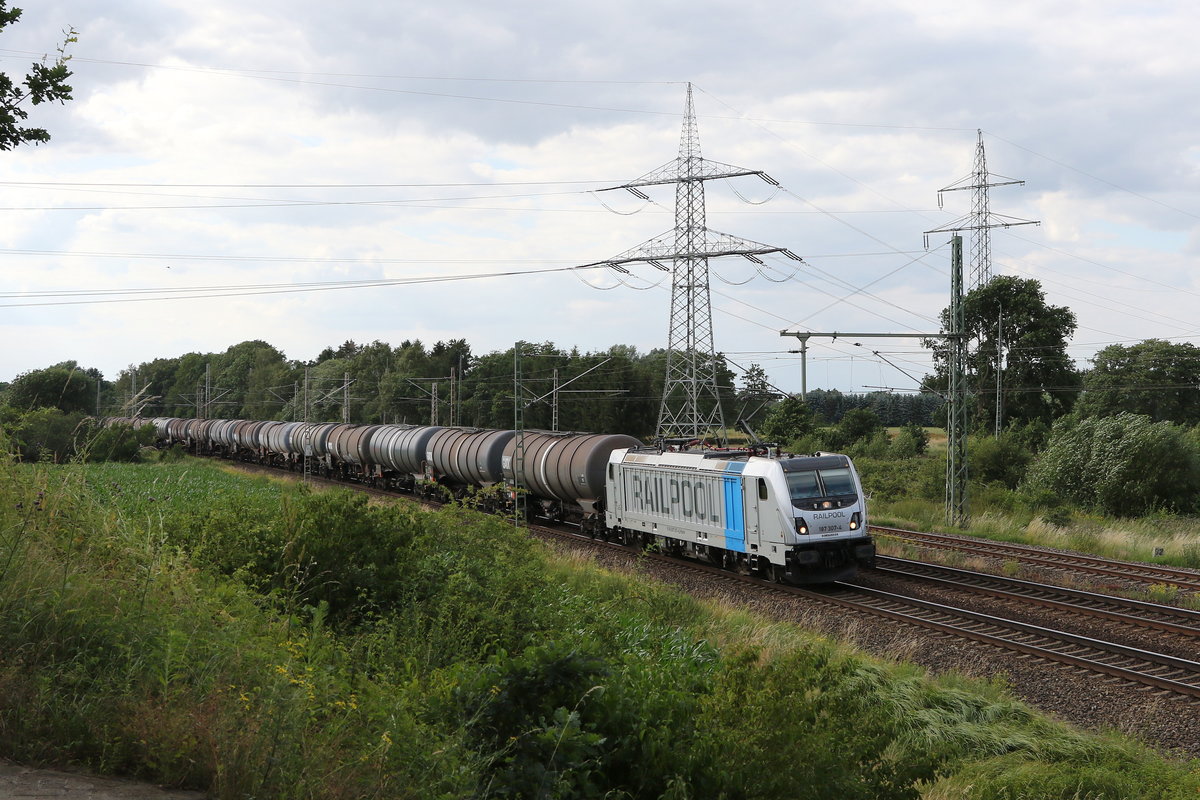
(1126, 570)
(878, 609)
(1169, 619)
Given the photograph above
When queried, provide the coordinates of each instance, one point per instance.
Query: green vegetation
(198, 628)
(46, 82)
(55, 436)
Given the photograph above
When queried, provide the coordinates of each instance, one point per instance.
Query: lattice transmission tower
(691, 407)
(981, 220)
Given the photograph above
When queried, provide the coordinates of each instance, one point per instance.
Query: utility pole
(981, 220)
(518, 458)
(803, 351)
(1000, 371)
(957, 513)
(690, 381)
(307, 433)
(554, 403)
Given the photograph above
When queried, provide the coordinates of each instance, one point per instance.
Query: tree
(1038, 378)
(1124, 465)
(756, 393)
(787, 421)
(858, 424)
(45, 82)
(63, 386)
(1156, 378)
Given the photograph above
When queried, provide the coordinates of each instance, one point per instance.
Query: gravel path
(36, 784)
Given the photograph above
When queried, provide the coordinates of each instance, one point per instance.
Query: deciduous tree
(1038, 378)
(1156, 378)
(45, 82)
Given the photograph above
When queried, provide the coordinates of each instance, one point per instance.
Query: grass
(1178, 538)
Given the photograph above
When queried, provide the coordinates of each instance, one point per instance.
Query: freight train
(798, 519)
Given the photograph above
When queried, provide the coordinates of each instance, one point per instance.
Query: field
(198, 628)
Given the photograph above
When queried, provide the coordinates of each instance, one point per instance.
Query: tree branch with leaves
(45, 82)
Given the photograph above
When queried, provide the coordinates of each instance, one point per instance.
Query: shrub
(1124, 465)
(789, 419)
(910, 441)
(997, 459)
(46, 434)
(859, 423)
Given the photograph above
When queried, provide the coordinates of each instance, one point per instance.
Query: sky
(307, 173)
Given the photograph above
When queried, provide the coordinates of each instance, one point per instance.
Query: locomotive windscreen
(807, 485)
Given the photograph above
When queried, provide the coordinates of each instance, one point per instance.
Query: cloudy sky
(262, 159)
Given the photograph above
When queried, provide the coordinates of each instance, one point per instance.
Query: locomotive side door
(750, 503)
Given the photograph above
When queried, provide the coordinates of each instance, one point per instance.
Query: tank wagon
(796, 518)
(793, 518)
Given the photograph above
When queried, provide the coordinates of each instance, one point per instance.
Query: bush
(789, 419)
(910, 441)
(859, 423)
(46, 434)
(997, 459)
(1124, 465)
(52, 435)
(877, 446)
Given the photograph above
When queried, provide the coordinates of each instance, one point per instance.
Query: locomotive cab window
(803, 485)
(820, 482)
(762, 488)
(837, 481)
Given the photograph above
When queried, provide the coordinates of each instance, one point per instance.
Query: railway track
(1147, 574)
(1151, 670)
(1154, 616)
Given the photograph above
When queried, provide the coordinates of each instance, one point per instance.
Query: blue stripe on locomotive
(735, 516)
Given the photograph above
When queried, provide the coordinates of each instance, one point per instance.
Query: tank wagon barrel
(567, 467)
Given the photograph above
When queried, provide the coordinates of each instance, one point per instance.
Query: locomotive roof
(822, 461)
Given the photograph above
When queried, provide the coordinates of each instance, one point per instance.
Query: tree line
(609, 391)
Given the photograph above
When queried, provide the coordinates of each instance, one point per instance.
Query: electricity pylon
(691, 406)
(981, 220)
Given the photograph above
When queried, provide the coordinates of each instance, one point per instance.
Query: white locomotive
(796, 518)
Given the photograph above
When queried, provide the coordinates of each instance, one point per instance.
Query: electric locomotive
(798, 519)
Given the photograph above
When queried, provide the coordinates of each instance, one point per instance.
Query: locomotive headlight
(801, 526)
(855, 520)
(827, 504)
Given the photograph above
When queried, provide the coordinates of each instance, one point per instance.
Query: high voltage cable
(278, 76)
(452, 185)
(1096, 178)
(292, 288)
